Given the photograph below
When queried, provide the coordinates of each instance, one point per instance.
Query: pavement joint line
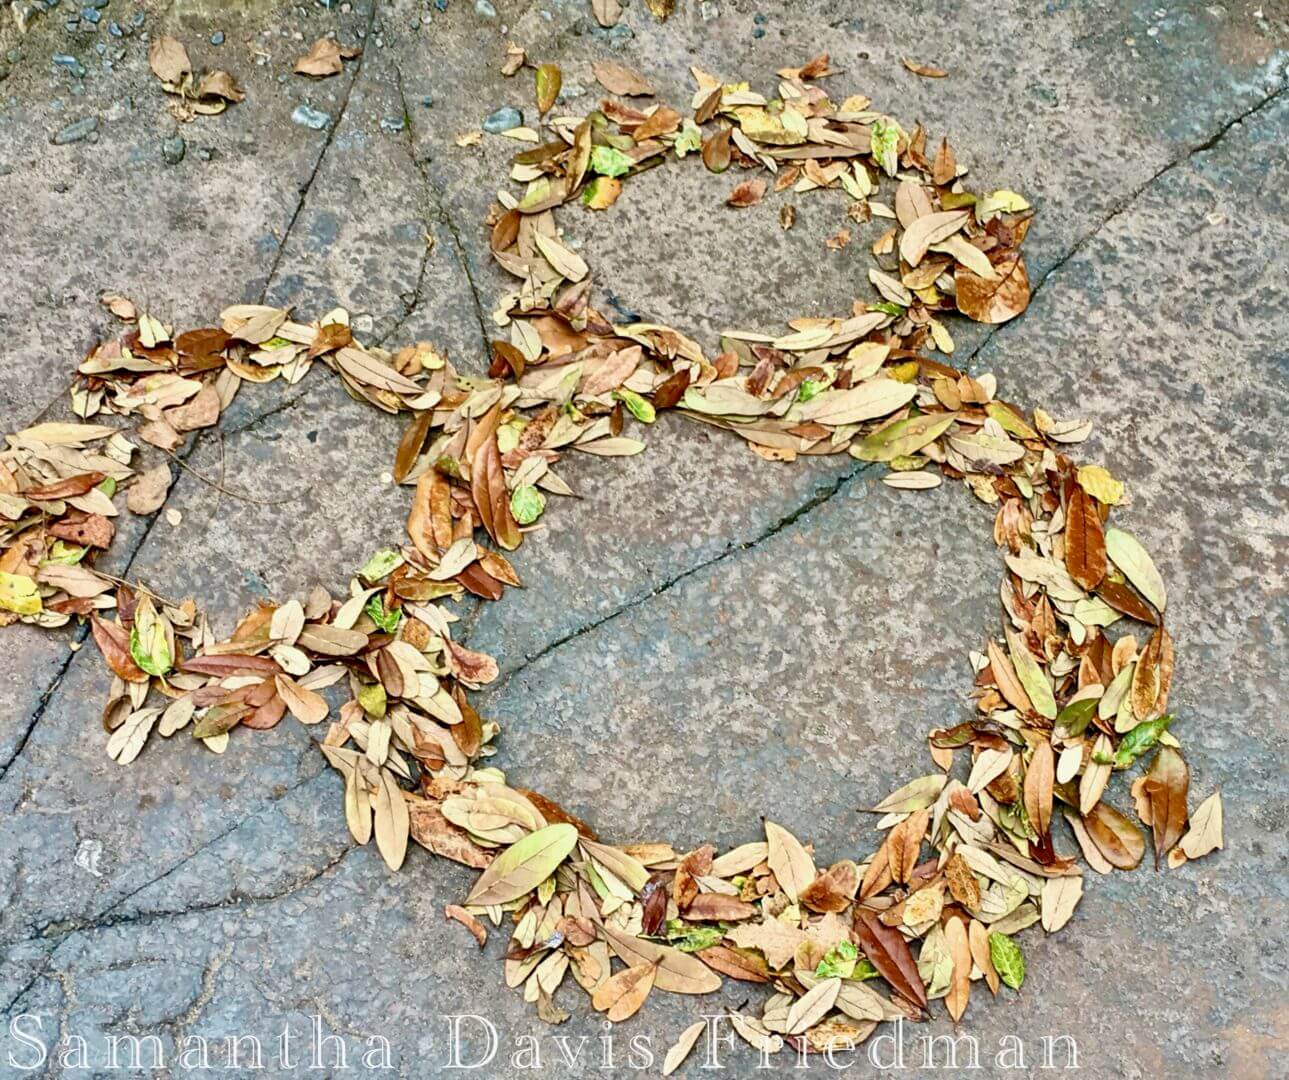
(233, 903)
(445, 217)
(823, 495)
(105, 919)
(322, 156)
(1129, 201)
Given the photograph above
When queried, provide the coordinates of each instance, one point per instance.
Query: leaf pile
(966, 856)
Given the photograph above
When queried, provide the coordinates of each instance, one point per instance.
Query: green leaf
(641, 409)
(903, 437)
(838, 962)
(1073, 720)
(527, 504)
(149, 644)
(809, 388)
(864, 970)
(884, 141)
(107, 486)
(889, 308)
(689, 139)
(386, 620)
(383, 562)
(64, 554)
(609, 161)
(686, 938)
(1140, 739)
(1007, 959)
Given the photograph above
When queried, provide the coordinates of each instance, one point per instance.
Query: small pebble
(77, 131)
(91, 15)
(217, 38)
(427, 100)
(310, 118)
(503, 120)
(69, 64)
(484, 8)
(173, 149)
(392, 125)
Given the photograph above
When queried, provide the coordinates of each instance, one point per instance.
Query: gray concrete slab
(704, 636)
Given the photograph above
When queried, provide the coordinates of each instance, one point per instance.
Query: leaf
(1007, 959)
(1140, 739)
(927, 71)
(1058, 899)
(1205, 833)
(18, 594)
(955, 932)
(488, 486)
(812, 1006)
(1128, 555)
(323, 58)
(527, 504)
(1098, 483)
(890, 954)
(904, 845)
(305, 705)
(1005, 679)
(127, 741)
(678, 972)
(902, 438)
(628, 869)
(114, 643)
(610, 161)
(689, 1037)
(915, 795)
(1115, 837)
(220, 84)
(867, 401)
(1168, 783)
(748, 193)
(1096, 775)
(1152, 676)
(149, 490)
(997, 300)
(930, 229)
(523, 866)
(601, 193)
(549, 80)
(661, 9)
(1085, 548)
(621, 80)
(1032, 677)
(622, 994)
(59, 434)
(1039, 780)
(149, 640)
(393, 822)
(792, 865)
(168, 59)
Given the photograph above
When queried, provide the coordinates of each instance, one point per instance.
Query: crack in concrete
(824, 494)
(322, 156)
(234, 902)
(436, 202)
(1126, 203)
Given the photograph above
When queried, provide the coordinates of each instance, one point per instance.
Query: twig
(220, 487)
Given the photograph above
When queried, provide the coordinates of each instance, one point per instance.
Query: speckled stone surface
(705, 637)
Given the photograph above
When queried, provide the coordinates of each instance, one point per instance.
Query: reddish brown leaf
(1168, 783)
(65, 489)
(1085, 555)
(113, 642)
(887, 950)
(88, 530)
(222, 666)
(748, 193)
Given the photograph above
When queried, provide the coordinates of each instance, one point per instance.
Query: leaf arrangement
(968, 854)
